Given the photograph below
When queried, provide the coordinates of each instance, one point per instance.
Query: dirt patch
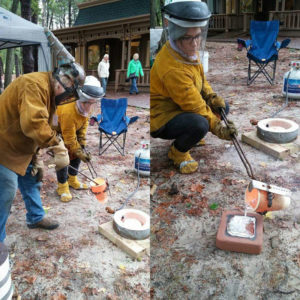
(185, 263)
(75, 261)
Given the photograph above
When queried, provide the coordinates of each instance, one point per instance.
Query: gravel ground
(185, 263)
(75, 261)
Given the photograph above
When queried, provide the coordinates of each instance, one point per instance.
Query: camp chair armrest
(245, 43)
(283, 44)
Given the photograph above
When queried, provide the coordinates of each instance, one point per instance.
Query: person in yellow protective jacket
(183, 105)
(27, 106)
(73, 121)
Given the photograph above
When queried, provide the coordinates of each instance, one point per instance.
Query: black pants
(187, 129)
(62, 175)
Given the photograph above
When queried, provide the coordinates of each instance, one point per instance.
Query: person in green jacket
(134, 70)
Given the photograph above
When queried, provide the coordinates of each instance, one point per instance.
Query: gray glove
(224, 132)
(61, 156)
(85, 157)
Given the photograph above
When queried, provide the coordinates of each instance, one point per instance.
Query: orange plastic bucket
(258, 201)
(100, 189)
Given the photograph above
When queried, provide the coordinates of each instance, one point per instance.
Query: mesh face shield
(187, 27)
(91, 90)
(188, 41)
(75, 73)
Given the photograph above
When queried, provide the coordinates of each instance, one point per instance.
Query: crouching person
(73, 119)
(27, 106)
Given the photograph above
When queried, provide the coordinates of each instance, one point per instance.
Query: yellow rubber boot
(75, 184)
(201, 143)
(183, 160)
(64, 192)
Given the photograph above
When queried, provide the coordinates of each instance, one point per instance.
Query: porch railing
(247, 17)
(217, 22)
(143, 82)
(289, 20)
(223, 22)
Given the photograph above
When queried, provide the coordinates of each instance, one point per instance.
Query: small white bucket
(6, 287)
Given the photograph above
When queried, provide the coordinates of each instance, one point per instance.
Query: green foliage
(214, 206)
(156, 18)
(55, 13)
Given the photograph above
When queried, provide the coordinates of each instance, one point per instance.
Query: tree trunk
(70, 12)
(34, 20)
(17, 65)
(1, 74)
(9, 65)
(152, 13)
(28, 61)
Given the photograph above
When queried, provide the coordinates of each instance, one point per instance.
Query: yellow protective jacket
(73, 127)
(177, 87)
(26, 109)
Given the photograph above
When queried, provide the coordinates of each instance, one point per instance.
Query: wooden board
(136, 249)
(280, 151)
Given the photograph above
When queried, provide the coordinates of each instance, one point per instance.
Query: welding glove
(37, 166)
(61, 156)
(215, 102)
(225, 132)
(85, 157)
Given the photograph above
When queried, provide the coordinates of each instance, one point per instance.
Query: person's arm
(81, 134)
(141, 69)
(99, 69)
(181, 88)
(214, 101)
(128, 69)
(34, 116)
(67, 123)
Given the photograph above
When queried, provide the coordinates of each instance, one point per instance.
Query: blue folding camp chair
(113, 123)
(263, 48)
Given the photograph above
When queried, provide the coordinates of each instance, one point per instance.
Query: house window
(93, 57)
(246, 6)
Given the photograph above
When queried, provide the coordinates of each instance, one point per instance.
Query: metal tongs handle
(69, 166)
(90, 166)
(238, 148)
(94, 173)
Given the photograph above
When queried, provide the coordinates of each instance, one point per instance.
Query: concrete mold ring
(277, 130)
(132, 223)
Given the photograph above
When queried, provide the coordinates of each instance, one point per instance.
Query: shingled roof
(112, 11)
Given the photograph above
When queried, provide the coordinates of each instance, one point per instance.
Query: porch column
(129, 49)
(277, 5)
(227, 23)
(84, 56)
(245, 22)
(123, 53)
(283, 5)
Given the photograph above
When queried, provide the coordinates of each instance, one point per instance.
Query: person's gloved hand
(215, 102)
(37, 167)
(85, 157)
(61, 156)
(225, 132)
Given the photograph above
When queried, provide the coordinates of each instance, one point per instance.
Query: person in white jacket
(103, 71)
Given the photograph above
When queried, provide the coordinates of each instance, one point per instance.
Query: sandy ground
(75, 261)
(185, 263)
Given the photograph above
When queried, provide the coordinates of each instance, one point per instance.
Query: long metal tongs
(90, 166)
(239, 148)
(254, 183)
(69, 166)
(94, 173)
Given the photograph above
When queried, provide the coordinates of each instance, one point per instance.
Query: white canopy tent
(18, 32)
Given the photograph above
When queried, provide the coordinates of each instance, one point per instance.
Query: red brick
(239, 244)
